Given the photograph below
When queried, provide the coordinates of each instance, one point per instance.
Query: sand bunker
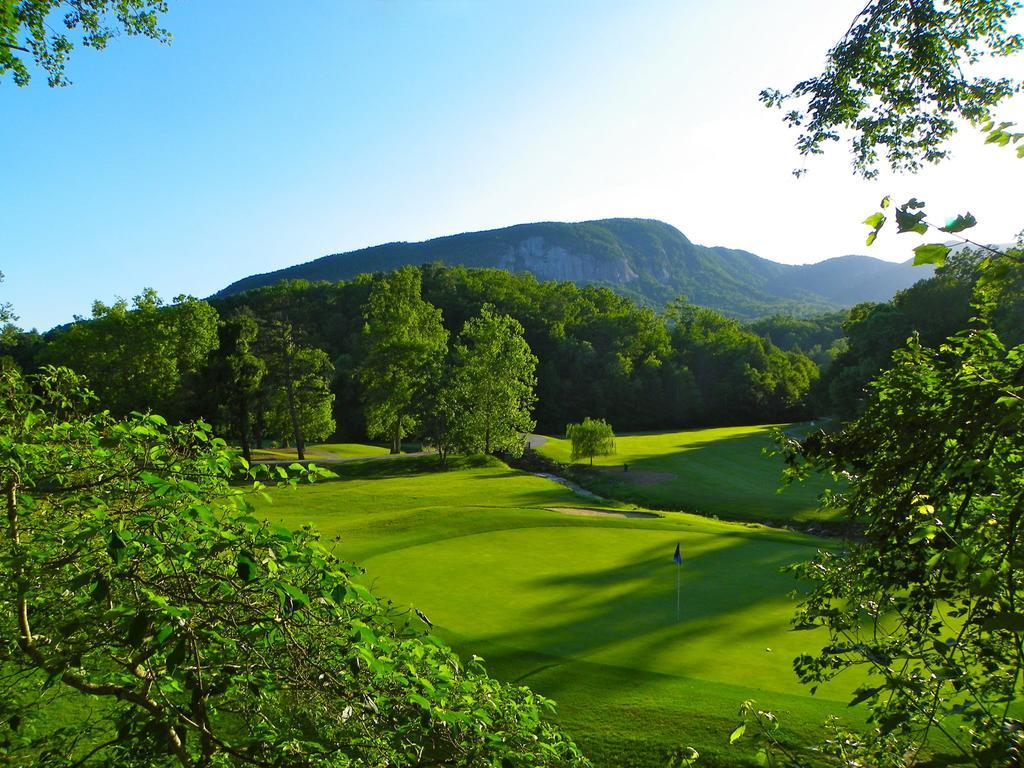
(601, 512)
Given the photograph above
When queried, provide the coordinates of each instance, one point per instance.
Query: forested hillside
(649, 261)
(853, 346)
(307, 346)
(599, 354)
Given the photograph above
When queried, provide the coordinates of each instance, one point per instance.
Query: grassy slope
(582, 608)
(720, 472)
(322, 452)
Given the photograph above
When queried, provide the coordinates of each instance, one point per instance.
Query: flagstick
(678, 568)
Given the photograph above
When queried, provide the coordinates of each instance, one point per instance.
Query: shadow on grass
(727, 477)
(383, 467)
(637, 602)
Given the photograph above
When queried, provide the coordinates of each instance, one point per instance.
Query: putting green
(722, 472)
(583, 608)
(608, 596)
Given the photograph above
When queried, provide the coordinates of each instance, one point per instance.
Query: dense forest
(598, 354)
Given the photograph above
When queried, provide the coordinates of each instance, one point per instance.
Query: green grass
(720, 472)
(583, 609)
(322, 452)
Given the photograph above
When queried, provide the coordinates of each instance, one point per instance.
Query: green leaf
(910, 222)
(875, 220)
(933, 253)
(295, 594)
(246, 567)
(282, 532)
(176, 656)
(942, 647)
(871, 238)
(101, 591)
(886, 201)
(416, 698)
(162, 634)
(960, 223)
(81, 580)
(737, 734)
(116, 548)
(914, 203)
(137, 629)
(959, 560)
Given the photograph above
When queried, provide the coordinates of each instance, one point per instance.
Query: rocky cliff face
(553, 262)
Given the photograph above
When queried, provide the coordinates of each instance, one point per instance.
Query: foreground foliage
(137, 579)
(927, 598)
(30, 29)
(900, 77)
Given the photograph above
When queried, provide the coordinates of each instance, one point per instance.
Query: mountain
(647, 260)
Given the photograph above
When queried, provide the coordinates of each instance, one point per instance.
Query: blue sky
(260, 139)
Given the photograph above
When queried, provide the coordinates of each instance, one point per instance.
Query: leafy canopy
(30, 29)
(147, 618)
(901, 77)
(298, 398)
(404, 344)
(927, 597)
(590, 438)
(140, 356)
(493, 381)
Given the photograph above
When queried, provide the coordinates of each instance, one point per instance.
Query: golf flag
(677, 558)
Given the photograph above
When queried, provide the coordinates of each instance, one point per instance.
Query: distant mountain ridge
(647, 260)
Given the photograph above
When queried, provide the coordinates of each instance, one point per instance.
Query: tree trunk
(243, 424)
(293, 415)
(396, 436)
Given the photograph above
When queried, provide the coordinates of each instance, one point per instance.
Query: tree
(926, 597)
(140, 357)
(300, 398)
(25, 29)
(405, 344)
(148, 619)
(236, 375)
(901, 76)
(590, 438)
(440, 415)
(494, 382)
(740, 376)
